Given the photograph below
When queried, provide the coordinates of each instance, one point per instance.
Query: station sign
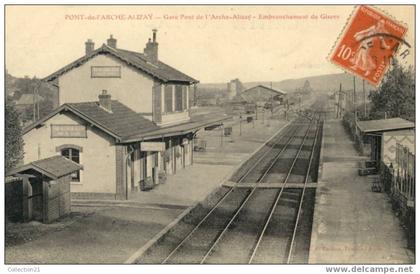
(152, 146)
(68, 131)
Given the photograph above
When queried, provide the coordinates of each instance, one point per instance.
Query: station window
(178, 98)
(74, 155)
(168, 98)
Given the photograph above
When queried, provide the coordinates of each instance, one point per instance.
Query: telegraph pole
(364, 98)
(354, 99)
(338, 103)
(354, 106)
(240, 125)
(33, 104)
(222, 129)
(37, 100)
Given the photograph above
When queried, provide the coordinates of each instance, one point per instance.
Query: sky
(205, 42)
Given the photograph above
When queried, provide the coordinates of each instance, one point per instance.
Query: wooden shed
(40, 190)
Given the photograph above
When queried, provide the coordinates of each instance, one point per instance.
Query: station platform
(351, 223)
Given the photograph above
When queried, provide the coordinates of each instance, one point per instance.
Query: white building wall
(97, 157)
(134, 89)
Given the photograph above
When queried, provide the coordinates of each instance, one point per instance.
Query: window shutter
(157, 108)
(184, 97)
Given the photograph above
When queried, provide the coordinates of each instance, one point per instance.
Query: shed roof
(280, 92)
(383, 125)
(137, 60)
(52, 167)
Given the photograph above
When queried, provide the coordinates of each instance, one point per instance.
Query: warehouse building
(123, 115)
(261, 94)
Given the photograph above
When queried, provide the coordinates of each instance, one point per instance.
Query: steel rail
(301, 199)
(273, 207)
(294, 129)
(253, 190)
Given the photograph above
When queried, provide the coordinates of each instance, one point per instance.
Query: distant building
(234, 87)
(260, 95)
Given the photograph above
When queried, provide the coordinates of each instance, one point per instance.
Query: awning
(194, 124)
(52, 167)
(382, 125)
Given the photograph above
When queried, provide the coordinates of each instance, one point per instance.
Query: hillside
(321, 83)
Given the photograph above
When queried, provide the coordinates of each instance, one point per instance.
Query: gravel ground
(92, 235)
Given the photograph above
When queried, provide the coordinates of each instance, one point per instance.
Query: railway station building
(123, 115)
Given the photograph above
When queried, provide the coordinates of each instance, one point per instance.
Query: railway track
(254, 225)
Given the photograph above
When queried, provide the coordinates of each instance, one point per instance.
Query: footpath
(351, 223)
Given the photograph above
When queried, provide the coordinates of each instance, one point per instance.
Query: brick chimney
(111, 42)
(89, 46)
(151, 49)
(105, 100)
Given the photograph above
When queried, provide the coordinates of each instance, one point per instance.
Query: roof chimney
(105, 100)
(151, 49)
(154, 35)
(89, 46)
(111, 42)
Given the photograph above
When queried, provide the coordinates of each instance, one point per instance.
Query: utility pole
(263, 111)
(338, 103)
(354, 99)
(364, 98)
(240, 125)
(256, 112)
(354, 106)
(195, 95)
(222, 129)
(34, 94)
(300, 103)
(37, 100)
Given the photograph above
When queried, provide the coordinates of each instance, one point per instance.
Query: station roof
(125, 124)
(383, 125)
(137, 60)
(52, 167)
(119, 123)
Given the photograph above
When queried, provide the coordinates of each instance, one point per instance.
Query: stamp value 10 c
(368, 44)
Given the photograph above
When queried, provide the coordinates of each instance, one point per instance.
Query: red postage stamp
(368, 44)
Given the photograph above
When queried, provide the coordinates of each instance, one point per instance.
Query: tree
(396, 95)
(13, 136)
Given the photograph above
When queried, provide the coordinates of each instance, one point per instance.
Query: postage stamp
(368, 44)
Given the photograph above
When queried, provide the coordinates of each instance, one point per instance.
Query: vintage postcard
(210, 134)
